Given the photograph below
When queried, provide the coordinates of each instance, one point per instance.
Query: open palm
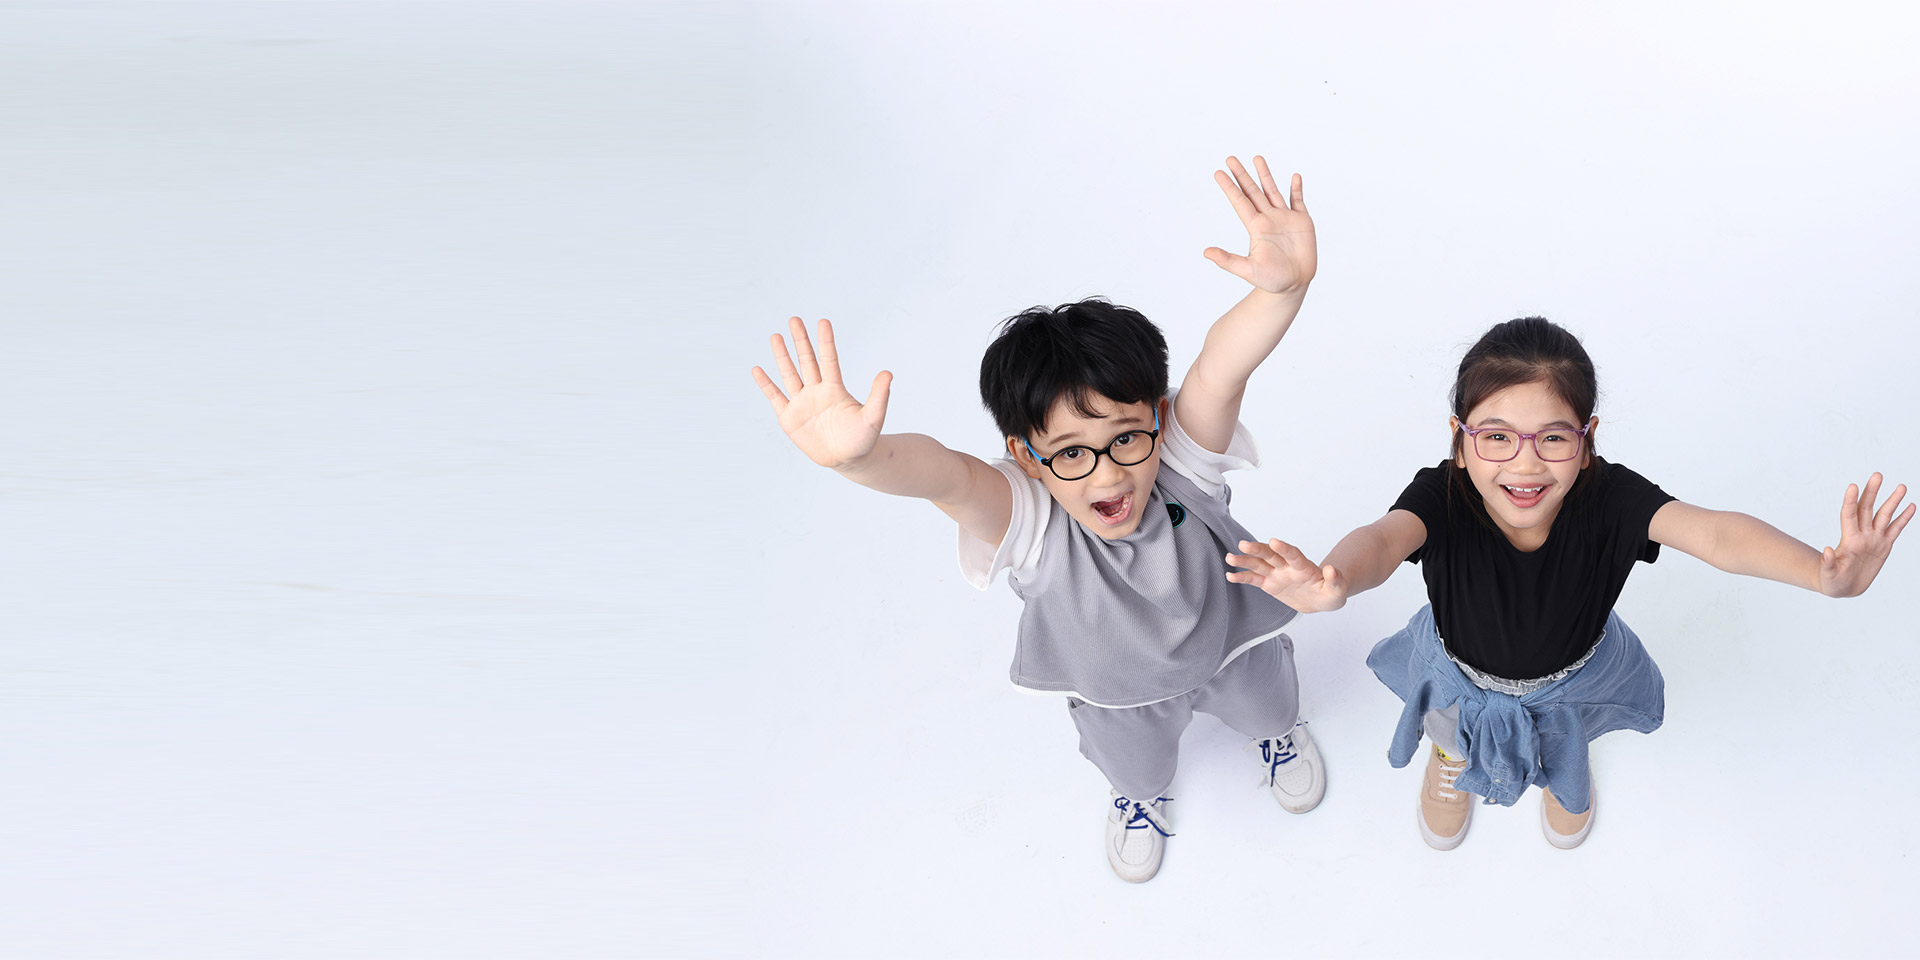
(1287, 575)
(816, 411)
(1281, 252)
(1866, 538)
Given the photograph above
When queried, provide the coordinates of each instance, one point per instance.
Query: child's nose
(1106, 470)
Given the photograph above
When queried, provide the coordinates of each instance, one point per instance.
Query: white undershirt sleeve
(1205, 468)
(1019, 550)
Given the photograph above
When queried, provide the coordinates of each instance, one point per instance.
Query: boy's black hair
(1075, 350)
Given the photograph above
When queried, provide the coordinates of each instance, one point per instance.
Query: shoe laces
(1275, 752)
(1141, 816)
(1448, 772)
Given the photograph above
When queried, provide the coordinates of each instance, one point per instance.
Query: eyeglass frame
(1473, 435)
(1153, 439)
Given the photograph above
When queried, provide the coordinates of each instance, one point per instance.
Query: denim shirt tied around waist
(1513, 742)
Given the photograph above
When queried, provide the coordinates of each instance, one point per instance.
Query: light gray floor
(399, 562)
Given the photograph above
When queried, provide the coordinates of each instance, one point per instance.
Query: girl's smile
(1523, 494)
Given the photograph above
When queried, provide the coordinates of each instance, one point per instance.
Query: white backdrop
(399, 561)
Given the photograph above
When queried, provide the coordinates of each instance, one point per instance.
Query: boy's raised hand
(1281, 254)
(1282, 570)
(816, 411)
(1866, 538)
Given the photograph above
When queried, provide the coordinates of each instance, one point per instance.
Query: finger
(803, 349)
(1900, 523)
(1298, 200)
(1257, 549)
(774, 396)
(1248, 186)
(1241, 205)
(1849, 512)
(876, 407)
(1232, 263)
(1884, 515)
(1258, 578)
(1334, 579)
(1867, 497)
(1289, 554)
(1251, 564)
(1267, 186)
(829, 355)
(784, 363)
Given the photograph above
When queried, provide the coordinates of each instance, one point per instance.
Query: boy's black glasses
(1077, 462)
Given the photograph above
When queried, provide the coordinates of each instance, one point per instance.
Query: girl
(1525, 538)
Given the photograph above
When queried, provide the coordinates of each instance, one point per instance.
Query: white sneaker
(1136, 837)
(1291, 767)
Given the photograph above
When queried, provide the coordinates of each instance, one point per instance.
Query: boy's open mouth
(1524, 497)
(1114, 512)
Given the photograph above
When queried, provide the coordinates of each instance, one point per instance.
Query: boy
(1128, 613)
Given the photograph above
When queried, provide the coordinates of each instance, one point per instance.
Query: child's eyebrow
(1555, 425)
(1129, 421)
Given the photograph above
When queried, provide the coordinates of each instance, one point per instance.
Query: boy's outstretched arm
(1362, 560)
(1280, 262)
(1738, 543)
(837, 431)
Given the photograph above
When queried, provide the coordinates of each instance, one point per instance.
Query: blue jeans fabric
(1512, 743)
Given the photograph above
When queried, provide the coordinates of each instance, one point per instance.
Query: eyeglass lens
(1550, 445)
(1127, 449)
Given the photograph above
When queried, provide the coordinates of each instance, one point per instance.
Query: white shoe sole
(1435, 840)
(1568, 841)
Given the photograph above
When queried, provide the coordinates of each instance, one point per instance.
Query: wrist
(854, 467)
(1294, 291)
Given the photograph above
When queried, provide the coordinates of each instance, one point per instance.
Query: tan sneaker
(1566, 830)
(1444, 812)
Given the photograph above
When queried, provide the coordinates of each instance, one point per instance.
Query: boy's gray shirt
(1147, 617)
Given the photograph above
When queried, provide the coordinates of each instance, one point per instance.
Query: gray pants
(1138, 747)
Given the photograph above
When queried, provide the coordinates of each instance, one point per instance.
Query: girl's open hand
(1284, 572)
(816, 411)
(1281, 254)
(1866, 537)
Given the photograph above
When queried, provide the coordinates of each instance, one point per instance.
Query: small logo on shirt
(1177, 512)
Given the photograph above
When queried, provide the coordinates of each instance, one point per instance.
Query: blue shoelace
(1140, 818)
(1276, 752)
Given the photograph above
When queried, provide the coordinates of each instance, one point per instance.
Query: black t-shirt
(1522, 615)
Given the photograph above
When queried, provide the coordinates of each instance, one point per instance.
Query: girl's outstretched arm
(1362, 560)
(837, 431)
(1738, 543)
(1281, 259)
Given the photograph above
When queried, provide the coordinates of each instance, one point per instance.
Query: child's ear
(1586, 449)
(1453, 431)
(1017, 449)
